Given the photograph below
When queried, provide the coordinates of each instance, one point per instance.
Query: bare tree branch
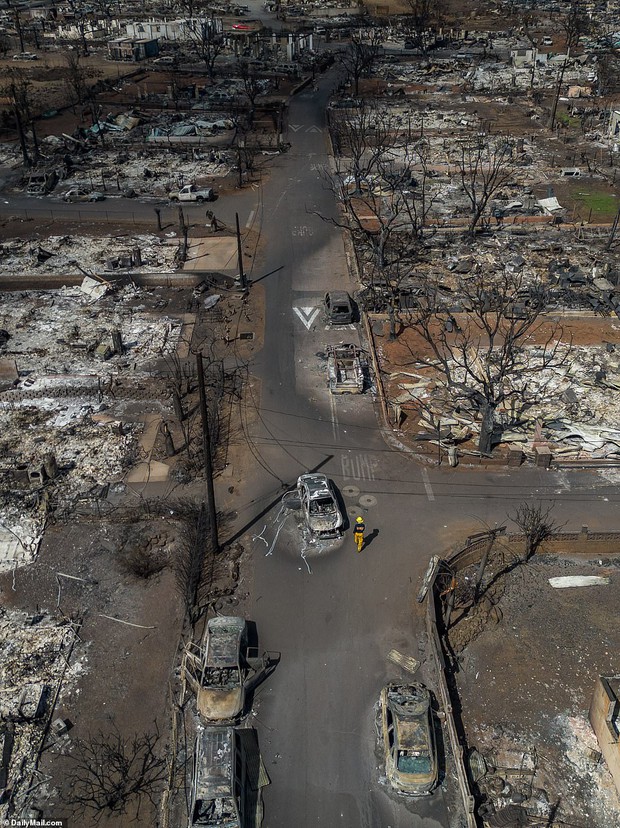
(501, 341)
(112, 775)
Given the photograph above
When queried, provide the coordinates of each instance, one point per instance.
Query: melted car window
(413, 763)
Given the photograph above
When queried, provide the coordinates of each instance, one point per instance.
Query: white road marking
(427, 485)
(295, 127)
(334, 412)
(358, 466)
(250, 219)
(307, 315)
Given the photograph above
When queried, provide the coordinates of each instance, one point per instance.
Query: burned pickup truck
(227, 780)
(347, 368)
(221, 669)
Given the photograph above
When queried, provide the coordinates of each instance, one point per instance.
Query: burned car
(217, 787)
(338, 307)
(319, 505)
(77, 194)
(217, 670)
(346, 367)
(408, 738)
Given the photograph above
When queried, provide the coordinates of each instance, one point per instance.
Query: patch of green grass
(601, 203)
(568, 120)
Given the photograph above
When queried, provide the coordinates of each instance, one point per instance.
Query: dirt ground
(526, 683)
(122, 675)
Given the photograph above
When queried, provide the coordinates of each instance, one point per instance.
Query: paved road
(118, 209)
(335, 615)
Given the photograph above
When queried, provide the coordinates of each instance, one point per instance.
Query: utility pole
(206, 454)
(612, 234)
(242, 277)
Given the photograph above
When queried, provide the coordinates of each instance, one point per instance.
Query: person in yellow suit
(358, 533)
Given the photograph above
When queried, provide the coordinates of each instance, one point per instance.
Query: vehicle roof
(413, 734)
(214, 750)
(317, 485)
(223, 640)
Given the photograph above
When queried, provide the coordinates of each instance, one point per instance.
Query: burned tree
(202, 575)
(360, 138)
(81, 12)
(419, 16)
(574, 23)
(111, 775)
(489, 345)
(189, 562)
(381, 182)
(608, 64)
(360, 57)
(17, 20)
(207, 41)
(77, 77)
(23, 102)
(251, 84)
(536, 523)
(243, 141)
(380, 179)
(484, 167)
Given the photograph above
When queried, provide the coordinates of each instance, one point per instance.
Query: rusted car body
(408, 738)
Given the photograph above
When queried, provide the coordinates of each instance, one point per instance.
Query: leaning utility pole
(206, 453)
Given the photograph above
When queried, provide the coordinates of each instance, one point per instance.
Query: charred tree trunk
(22, 137)
(486, 428)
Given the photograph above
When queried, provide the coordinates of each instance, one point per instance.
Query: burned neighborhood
(310, 413)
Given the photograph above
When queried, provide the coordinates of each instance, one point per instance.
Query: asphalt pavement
(333, 614)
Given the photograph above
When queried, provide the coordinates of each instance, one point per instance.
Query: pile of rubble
(61, 356)
(128, 170)
(574, 407)
(74, 255)
(34, 653)
(144, 171)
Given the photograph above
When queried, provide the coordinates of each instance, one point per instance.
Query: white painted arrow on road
(295, 127)
(307, 315)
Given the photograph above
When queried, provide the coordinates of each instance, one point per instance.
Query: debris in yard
(57, 404)
(79, 255)
(408, 663)
(34, 663)
(566, 581)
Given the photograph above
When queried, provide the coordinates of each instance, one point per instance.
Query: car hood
(324, 523)
(220, 705)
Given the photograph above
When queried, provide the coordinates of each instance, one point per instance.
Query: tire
(199, 199)
(174, 200)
